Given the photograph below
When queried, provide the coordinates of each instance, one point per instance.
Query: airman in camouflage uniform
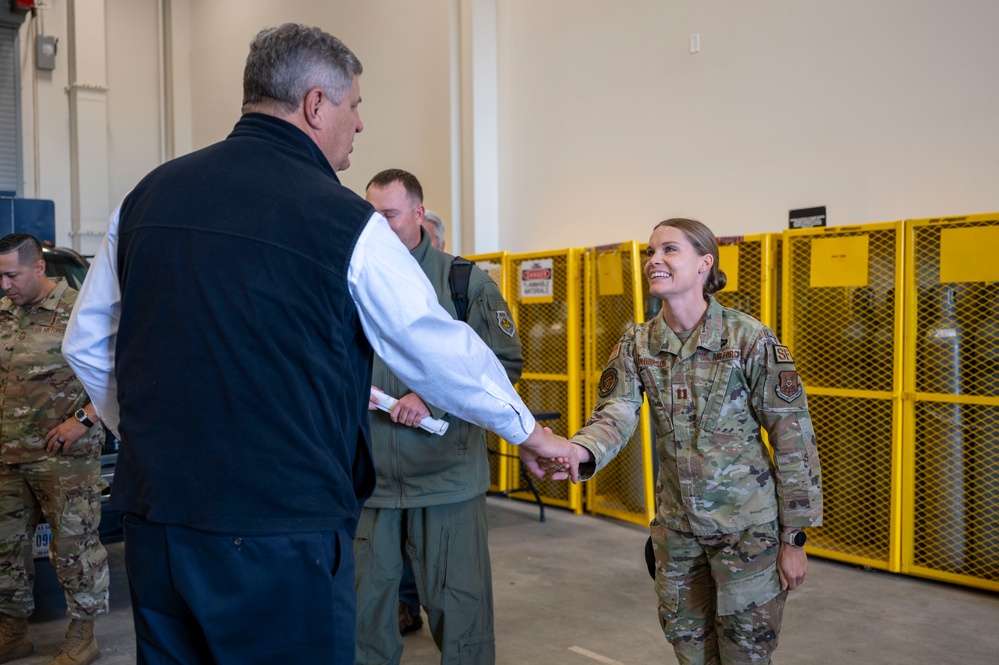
(721, 500)
(49, 458)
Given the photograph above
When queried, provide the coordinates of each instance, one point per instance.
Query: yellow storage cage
(545, 292)
(502, 463)
(614, 302)
(951, 400)
(752, 265)
(841, 319)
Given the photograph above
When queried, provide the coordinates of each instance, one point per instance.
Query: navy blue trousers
(225, 599)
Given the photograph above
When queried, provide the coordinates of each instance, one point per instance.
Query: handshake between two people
(551, 456)
(543, 453)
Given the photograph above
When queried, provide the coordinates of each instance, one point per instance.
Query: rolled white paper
(432, 425)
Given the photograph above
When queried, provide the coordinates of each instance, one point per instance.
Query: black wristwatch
(796, 538)
(81, 415)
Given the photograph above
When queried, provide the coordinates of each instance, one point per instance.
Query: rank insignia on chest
(505, 323)
(789, 386)
(608, 382)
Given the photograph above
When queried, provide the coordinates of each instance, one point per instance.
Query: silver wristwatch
(81, 415)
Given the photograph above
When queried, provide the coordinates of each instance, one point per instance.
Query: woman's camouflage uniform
(720, 499)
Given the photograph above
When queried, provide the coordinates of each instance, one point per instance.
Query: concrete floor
(574, 591)
(48, 624)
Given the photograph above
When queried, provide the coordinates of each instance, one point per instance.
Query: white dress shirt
(440, 359)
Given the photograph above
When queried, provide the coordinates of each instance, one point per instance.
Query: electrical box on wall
(45, 51)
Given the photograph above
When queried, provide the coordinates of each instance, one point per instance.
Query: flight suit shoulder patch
(505, 323)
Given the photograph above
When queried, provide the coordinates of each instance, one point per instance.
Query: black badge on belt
(608, 382)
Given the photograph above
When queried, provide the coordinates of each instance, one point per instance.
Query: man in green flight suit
(429, 501)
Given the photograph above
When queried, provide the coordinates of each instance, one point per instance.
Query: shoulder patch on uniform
(608, 382)
(788, 386)
(614, 352)
(505, 323)
(782, 354)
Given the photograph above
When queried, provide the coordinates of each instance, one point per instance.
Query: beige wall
(878, 110)
(132, 130)
(404, 47)
(606, 124)
(135, 114)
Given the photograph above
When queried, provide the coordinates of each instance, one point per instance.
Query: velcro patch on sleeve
(608, 382)
(782, 354)
(789, 386)
(505, 323)
(614, 352)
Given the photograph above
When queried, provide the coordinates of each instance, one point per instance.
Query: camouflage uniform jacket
(38, 388)
(708, 398)
(415, 468)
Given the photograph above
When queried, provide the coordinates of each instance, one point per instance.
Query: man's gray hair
(285, 63)
(438, 224)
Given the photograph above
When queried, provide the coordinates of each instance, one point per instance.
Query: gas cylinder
(882, 343)
(849, 457)
(983, 344)
(855, 341)
(943, 434)
(983, 458)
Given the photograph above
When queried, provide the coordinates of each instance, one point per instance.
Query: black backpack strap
(461, 271)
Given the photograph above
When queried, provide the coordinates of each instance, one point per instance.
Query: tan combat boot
(14, 642)
(79, 647)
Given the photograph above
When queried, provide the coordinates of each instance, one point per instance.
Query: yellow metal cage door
(614, 302)
(742, 259)
(952, 400)
(550, 326)
(502, 464)
(841, 298)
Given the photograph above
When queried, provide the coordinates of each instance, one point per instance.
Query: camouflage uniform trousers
(719, 596)
(66, 489)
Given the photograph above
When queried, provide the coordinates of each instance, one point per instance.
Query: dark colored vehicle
(64, 262)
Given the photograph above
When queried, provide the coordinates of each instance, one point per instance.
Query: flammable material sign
(537, 281)
(806, 218)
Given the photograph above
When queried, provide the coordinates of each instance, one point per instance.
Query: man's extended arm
(431, 353)
(88, 345)
(440, 359)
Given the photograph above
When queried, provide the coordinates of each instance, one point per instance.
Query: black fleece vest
(242, 369)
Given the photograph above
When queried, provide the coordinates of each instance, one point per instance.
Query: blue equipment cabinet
(34, 216)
